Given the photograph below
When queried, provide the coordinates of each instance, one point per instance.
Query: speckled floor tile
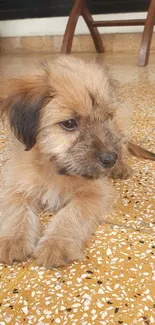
(115, 283)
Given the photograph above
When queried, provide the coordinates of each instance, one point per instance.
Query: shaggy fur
(66, 170)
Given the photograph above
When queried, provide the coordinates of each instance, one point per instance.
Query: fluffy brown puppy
(72, 134)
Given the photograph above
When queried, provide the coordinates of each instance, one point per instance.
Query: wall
(56, 25)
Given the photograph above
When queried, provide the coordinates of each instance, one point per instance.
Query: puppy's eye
(69, 125)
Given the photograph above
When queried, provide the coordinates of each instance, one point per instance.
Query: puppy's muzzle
(108, 159)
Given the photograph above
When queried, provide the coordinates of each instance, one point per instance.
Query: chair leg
(147, 36)
(71, 25)
(93, 30)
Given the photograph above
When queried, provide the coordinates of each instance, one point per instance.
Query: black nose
(108, 159)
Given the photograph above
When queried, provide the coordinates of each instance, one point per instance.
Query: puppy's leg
(68, 232)
(18, 227)
(120, 171)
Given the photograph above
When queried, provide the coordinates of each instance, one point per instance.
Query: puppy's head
(69, 114)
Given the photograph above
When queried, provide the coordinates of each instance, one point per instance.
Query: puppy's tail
(137, 151)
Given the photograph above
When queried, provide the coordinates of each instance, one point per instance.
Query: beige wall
(56, 26)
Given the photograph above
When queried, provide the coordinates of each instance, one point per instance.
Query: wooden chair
(80, 9)
(147, 36)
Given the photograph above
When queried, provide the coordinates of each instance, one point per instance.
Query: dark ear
(23, 105)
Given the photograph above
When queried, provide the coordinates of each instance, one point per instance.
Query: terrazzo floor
(115, 283)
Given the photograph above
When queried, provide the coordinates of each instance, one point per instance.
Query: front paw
(121, 172)
(14, 249)
(55, 252)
